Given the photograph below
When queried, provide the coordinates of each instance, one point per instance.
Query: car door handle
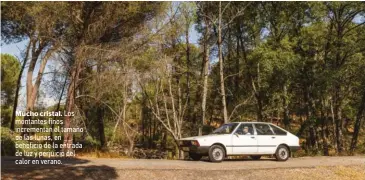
(252, 137)
(273, 137)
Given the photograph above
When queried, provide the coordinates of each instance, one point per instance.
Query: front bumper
(203, 150)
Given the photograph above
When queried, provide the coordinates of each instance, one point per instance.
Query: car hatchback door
(244, 140)
(280, 135)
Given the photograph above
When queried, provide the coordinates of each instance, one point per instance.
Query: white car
(242, 138)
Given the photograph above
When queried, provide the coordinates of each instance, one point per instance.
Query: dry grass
(350, 173)
(333, 173)
(104, 172)
(322, 173)
(99, 154)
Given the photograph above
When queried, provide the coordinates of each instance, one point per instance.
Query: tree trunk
(32, 90)
(130, 148)
(359, 117)
(309, 109)
(237, 68)
(312, 137)
(29, 80)
(228, 68)
(260, 116)
(258, 95)
(324, 137)
(12, 126)
(338, 123)
(58, 107)
(337, 86)
(188, 68)
(164, 139)
(154, 133)
(37, 83)
(150, 133)
(285, 106)
(333, 126)
(100, 115)
(204, 73)
(143, 114)
(221, 72)
(179, 152)
(70, 103)
(339, 134)
(324, 131)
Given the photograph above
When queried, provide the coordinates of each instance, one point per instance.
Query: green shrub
(7, 142)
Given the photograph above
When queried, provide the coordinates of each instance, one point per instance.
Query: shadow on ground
(206, 159)
(250, 160)
(66, 170)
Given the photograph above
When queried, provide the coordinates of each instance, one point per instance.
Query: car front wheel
(216, 153)
(282, 153)
(195, 156)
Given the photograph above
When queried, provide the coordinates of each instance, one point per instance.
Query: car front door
(266, 139)
(244, 140)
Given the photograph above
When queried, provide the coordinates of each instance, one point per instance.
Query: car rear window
(263, 129)
(278, 131)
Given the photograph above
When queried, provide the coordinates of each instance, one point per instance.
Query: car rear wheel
(195, 156)
(282, 153)
(255, 157)
(216, 153)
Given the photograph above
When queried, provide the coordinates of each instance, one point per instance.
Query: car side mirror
(236, 134)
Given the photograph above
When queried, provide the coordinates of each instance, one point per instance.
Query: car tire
(256, 157)
(216, 153)
(282, 153)
(195, 156)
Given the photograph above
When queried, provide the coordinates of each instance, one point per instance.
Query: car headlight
(195, 143)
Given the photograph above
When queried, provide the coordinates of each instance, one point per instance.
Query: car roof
(256, 122)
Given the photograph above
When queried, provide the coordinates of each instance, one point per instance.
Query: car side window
(245, 129)
(278, 131)
(263, 129)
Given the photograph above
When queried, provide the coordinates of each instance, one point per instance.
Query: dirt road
(351, 167)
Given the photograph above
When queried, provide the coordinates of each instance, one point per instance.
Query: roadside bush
(89, 144)
(7, 142)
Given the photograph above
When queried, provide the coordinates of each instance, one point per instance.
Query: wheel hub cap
(217, 154)
(283, 153)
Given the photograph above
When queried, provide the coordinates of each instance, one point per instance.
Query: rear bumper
(194, 149)
(294, 148)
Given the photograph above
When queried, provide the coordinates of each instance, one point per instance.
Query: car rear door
(266, 139)
(244, 143)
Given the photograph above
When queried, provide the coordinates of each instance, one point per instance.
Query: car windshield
(225, 128)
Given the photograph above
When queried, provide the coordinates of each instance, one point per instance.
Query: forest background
(141, 75)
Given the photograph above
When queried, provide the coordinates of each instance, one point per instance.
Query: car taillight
(195, 143)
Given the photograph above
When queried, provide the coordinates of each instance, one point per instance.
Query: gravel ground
(350, 167)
